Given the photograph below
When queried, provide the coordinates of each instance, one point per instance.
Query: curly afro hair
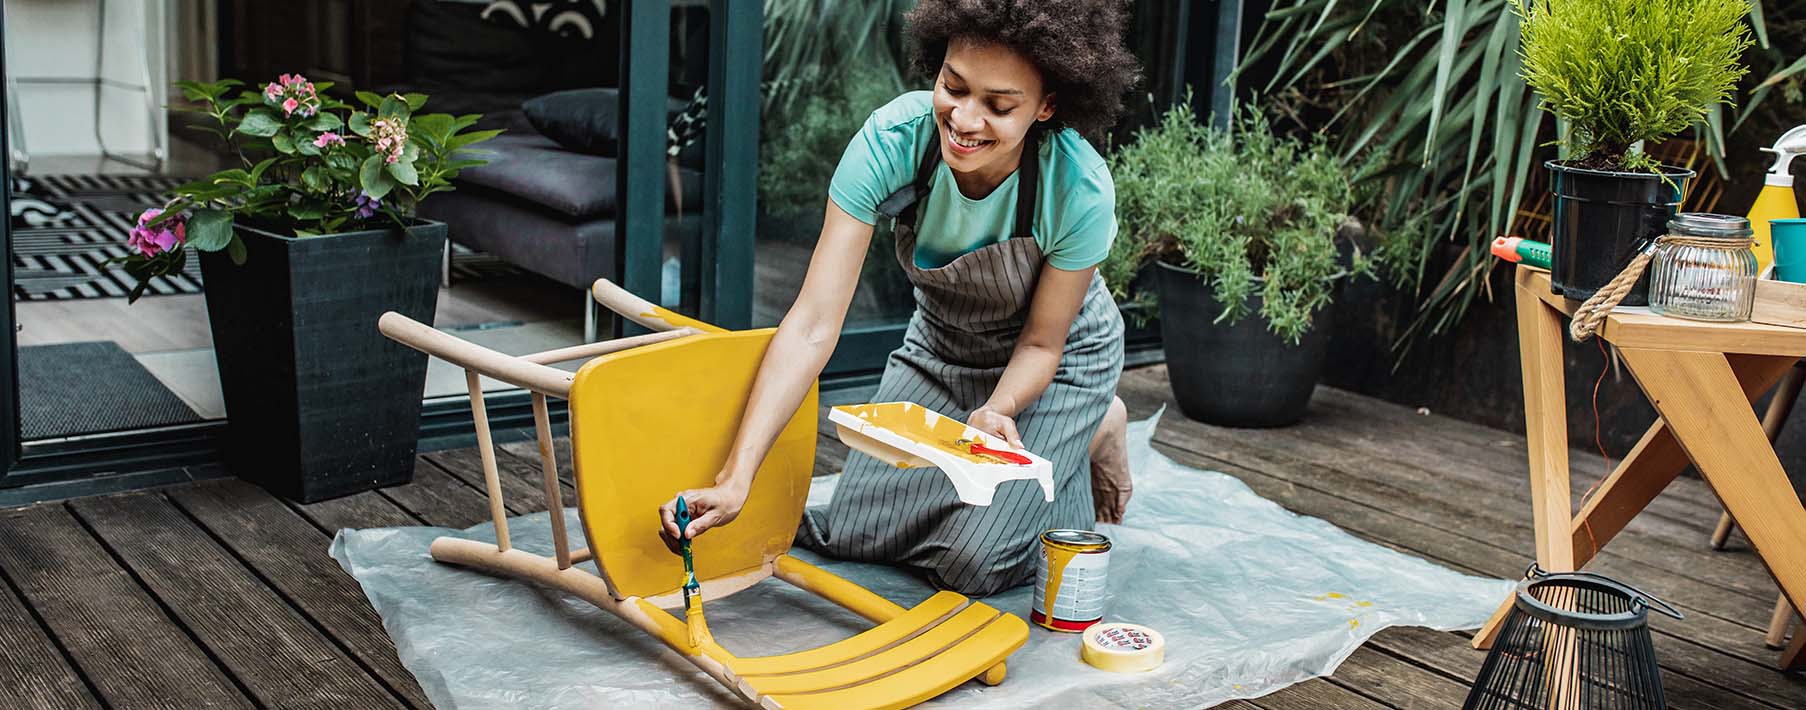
(1077, 45)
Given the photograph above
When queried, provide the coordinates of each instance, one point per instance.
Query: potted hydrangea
(303, 245)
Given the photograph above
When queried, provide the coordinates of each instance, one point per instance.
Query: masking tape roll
(1123, 648)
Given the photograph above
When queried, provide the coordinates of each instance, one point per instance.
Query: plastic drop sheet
(1250, 598)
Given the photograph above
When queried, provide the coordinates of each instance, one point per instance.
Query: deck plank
(290, 554)
(276, 653)
(84, 629)
(34, 673)
(1309, 490)
(439, 499)
(114, 632)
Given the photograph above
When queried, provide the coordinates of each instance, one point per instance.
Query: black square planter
(318, 403)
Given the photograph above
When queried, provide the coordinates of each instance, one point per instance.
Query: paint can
(1069, 581)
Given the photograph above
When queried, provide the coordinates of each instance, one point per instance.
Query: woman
(1002, 212)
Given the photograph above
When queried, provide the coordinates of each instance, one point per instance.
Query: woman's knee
(1114, 427)
(979, 570)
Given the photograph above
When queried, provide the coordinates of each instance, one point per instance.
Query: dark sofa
(538, 204)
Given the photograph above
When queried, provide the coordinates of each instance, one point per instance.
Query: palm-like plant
(1438, 116)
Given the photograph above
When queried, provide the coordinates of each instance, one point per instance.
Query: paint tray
(909, 435)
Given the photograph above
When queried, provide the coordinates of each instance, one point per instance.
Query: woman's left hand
(995, 423)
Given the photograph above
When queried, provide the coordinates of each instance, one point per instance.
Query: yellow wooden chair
(655, 414)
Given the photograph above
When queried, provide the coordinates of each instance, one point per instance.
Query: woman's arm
(1058, 296)
(793, 361)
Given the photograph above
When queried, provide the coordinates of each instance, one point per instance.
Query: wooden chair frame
(534, 374)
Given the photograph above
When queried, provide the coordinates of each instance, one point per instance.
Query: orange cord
(1598, 441)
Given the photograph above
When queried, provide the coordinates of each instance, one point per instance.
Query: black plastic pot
(318, 403)
(1237, 375)
(1600, 218)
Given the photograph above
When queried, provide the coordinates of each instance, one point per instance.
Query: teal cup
(1789, 239)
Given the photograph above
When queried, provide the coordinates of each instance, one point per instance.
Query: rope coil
(1590, 316)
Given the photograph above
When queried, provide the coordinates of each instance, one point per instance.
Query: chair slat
(923, 680)
(902, 655)
(934, 609)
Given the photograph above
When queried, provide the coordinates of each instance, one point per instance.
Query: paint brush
(693, 620)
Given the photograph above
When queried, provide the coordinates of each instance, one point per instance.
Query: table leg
(1779, 407)
(1546, 433)
(1654, 463)
(1691, 390)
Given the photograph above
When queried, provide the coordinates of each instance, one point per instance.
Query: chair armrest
(516, 371)
(589, 350)
(643, 312)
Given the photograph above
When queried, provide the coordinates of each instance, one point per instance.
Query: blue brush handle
(683, 529)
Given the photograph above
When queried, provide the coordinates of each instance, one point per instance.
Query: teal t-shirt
(1075, 218)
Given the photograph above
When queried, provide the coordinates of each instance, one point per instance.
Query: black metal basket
(1573, 640)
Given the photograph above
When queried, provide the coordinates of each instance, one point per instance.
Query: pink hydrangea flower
(390, 136)
(151, 241)
(294, 94)
(328, 138)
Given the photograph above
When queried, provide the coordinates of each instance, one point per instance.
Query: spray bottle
(1776, 201)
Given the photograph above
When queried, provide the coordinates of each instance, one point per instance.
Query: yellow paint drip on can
(1070, 580)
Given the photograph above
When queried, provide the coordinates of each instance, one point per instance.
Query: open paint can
(1070, 580)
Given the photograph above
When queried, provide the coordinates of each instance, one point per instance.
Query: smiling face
(985, 100)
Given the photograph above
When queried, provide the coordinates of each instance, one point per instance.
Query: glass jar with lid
(1704, 269)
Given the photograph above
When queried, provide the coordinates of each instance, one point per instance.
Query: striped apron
(969, 315)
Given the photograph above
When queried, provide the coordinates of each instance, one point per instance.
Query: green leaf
(403, 172)
(466, 139)
(307, 148)
(236, 250)
(284, 144)
(209, 230)
(260, 123)
(307, 210)
(392, 107)
(258, 169)
(325, 122)
(315, 178)
(1452, 26)
(1758, 23)
(415, 101)
(370, 99)
(304, 233)
(360, 123)
(376, 181)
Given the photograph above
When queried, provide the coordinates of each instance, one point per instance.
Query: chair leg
(1722, 533)
(445, 266)
(1777, 624)
(993, 675)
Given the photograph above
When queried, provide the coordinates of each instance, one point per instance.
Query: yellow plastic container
(1776, 201)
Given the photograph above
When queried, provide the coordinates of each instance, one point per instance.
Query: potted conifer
(1249, 237)
(1620, 74)
(303, 246)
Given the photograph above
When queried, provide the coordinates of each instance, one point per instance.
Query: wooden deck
(214, 594)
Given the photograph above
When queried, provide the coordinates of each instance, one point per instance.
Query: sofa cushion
(589, 121)
(536, 169)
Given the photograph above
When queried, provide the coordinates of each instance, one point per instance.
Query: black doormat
(87, 388)
(66, 227)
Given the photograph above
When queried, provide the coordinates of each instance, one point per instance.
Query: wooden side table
(1700, 377)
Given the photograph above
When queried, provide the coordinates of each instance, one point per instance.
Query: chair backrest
(658, 419)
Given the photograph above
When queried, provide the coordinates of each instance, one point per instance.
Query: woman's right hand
(708, 507)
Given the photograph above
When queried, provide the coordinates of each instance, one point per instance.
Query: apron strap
(901, 205)
(1028, 181)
